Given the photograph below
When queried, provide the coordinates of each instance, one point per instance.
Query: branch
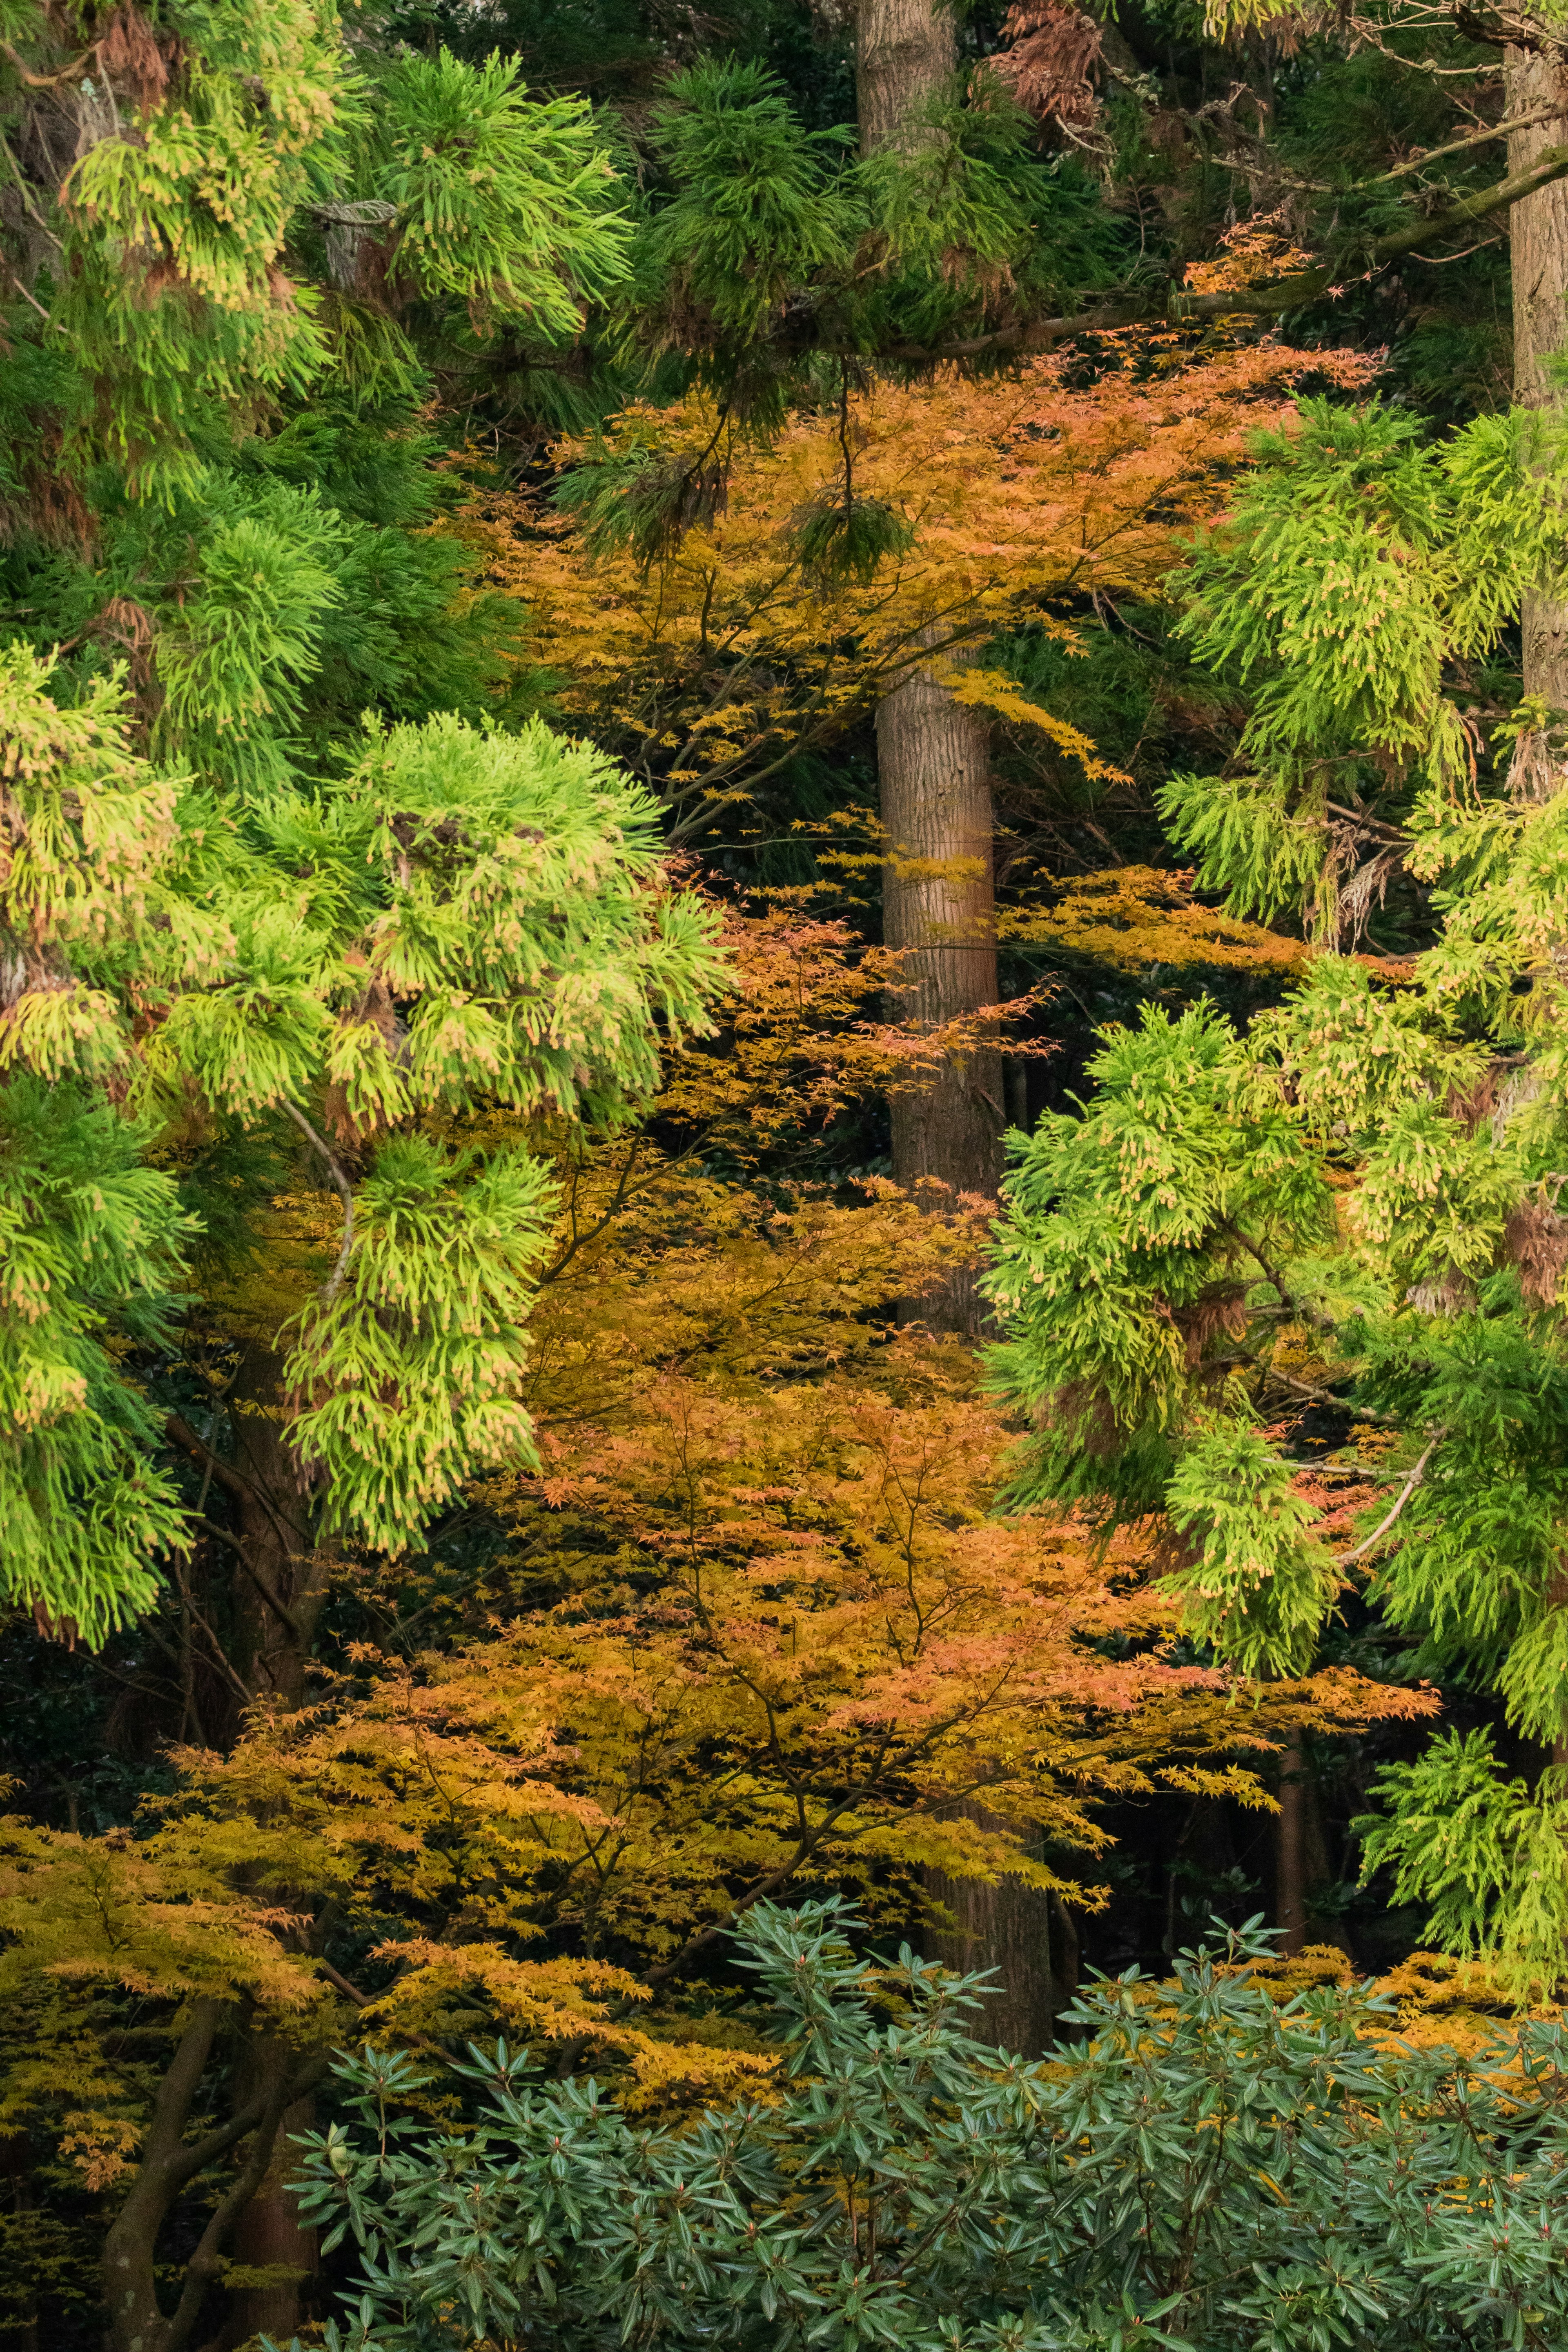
(330, 1288)
(1313, 1314)
(206, 2265)
(273, 1602)
(1316, 1395)
(333, 1975)
(1472, 139)
(1411, 1482)
(1292, 293)
(185, 1437)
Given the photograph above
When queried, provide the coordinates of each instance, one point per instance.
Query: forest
(784, 1303)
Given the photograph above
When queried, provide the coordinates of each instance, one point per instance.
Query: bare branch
(345, 1193)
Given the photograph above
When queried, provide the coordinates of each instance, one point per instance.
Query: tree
(1353, 1206)
(711, 662)
(750, 1628)
(1205, 2161)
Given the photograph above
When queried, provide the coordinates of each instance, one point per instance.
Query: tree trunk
(1008, 1927)
(904, 51)
(934, 771)
(280, 1582)
(1538, 240)
(1290, 1852)
(268, 2234)
(939, 910)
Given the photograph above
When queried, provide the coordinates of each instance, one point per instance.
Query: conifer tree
(1354, 1207)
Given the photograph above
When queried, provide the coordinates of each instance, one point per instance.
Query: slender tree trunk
(1290, 1849)
(935, 771)
(1538, 240)
(939, 910)
(136, 2317)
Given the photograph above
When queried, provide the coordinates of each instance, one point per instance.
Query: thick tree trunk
(904, 51)
(931, 761)
(939, 910)
(1025, 1935)
(1538, 239)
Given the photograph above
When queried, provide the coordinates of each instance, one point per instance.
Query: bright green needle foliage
(1205, 2170)
(90, 1245)
(1356, 565)
(417, 1359)
(470, 918)
(1262, 1580)
(756, 208)
(1130, 1237)
(502, 203)
(236, 209)
(1365, 1216)
(1486, 1854)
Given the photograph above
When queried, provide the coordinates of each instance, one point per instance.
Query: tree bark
(1008, 1926)
(1290, 1848)
(281, 1578)
(939, 910)
(904, 51)
(1538, 241)
(934, 771)
(268, 2231)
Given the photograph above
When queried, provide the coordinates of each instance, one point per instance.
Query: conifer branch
(1411, 1483)
(1472, 139)
(1313, 1314)
(331, 1287)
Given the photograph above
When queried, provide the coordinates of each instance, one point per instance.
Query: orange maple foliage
(721, 654)
(755, 1627)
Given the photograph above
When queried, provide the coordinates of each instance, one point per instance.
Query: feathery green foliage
(1361, 1217)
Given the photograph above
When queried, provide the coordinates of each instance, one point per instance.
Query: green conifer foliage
(229, 907)
(469, 917)
(1355, 1206)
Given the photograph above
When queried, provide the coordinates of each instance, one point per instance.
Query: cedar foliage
(1354, 1204)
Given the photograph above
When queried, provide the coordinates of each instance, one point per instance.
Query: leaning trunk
(1538, 239)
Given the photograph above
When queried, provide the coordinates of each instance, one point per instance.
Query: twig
(345, 1193)
(1472, 139)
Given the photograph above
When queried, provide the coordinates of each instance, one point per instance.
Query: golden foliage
(713, 659)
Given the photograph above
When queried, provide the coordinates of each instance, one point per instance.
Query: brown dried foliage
(1535, 1240)
(1050, 62)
